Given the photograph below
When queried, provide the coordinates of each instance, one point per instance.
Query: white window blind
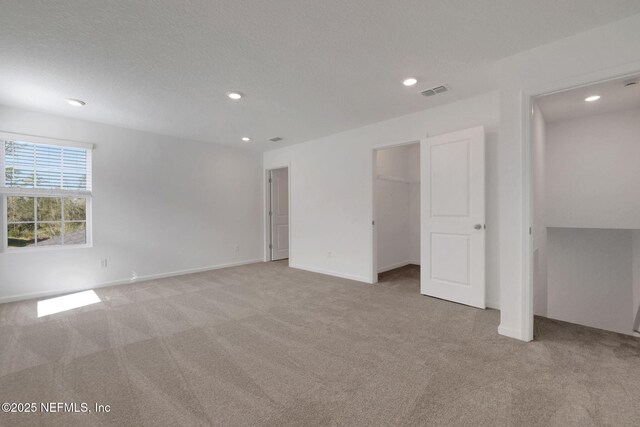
(28, 165)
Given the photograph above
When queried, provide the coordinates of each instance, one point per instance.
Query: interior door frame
(373, 255)
(527, 98)
(267, 206)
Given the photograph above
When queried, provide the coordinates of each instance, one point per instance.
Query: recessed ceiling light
(592, 98)
(410, 82)
(234, 95)
(246, 139)
(75, 102)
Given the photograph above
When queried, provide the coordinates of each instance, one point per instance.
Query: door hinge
(270, 213)
(529, 230)
(270, 246)
(373, 223)
(269, 180)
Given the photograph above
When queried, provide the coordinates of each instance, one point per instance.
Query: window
(46, 191)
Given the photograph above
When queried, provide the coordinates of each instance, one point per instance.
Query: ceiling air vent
(275, 139)
(630, 83)
(435, 90)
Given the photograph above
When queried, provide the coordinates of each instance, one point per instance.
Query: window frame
(40, 192)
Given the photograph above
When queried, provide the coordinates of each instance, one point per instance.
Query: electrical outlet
(103, 263)
(329, 254)
(134, 276)
(236, 248)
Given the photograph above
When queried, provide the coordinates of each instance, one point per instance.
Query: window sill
(8, 250)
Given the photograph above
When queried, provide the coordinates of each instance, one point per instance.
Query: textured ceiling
(308, 68)
(570, 104)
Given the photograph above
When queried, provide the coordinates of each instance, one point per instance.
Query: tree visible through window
(47, 194)
(58, 221)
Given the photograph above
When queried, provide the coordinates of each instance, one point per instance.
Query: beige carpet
(266, 345)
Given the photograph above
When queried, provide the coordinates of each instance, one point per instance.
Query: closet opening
(396, 213)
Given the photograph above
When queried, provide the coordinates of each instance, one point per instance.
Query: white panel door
(279, 213)
(453, 217)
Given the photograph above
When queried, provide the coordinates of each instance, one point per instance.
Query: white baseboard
(51, 293)
(397, 265)
(393, 266)
(331, 273)
(511, 333)
(493, 304)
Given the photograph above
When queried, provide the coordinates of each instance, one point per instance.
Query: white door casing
(453, 217)
(279, 213)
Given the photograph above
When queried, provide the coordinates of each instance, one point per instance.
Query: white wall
(394, 161)
(332, 187)
(598, 54)
(591, 277)
(160, 205)
(539, 227)
(397, 206)
(414, 204)
(593, 171)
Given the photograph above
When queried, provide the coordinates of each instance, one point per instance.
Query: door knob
(478, 226)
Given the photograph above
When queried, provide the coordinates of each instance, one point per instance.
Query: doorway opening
(585, 206)
(278, 214)
(396, 199)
